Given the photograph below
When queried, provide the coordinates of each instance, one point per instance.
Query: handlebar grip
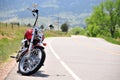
(35, 11)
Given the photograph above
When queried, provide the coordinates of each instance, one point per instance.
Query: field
(52, 33)
(81, 31)
(10, 37)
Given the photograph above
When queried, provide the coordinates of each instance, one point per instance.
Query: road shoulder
(6, 67)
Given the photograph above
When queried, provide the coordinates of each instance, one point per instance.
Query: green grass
(7, 47)
(78, 31)
(81, 31)
(10, 40)
(112, 40)
(51, 33)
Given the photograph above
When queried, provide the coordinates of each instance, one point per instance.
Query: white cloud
(71, 15)
(83, 15)
(13, 19)
(72, 18)
(42, 20)
(50, 3)
(75, 2)
(15, 10)
(10, 13)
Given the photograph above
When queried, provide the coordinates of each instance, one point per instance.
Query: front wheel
(28, 66)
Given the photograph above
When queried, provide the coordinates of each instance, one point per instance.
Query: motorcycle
(31, 55)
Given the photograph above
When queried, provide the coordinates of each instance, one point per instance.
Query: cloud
(50, 4)
(17, 10)
(72, 18)
(13, 19)
(10, 13)
(42, 20)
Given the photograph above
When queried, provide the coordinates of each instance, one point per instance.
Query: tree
(96, 21)
(29, 25)
(42, 26)
(65, 27)
(105, 16)
(51, 26)
(110, 11)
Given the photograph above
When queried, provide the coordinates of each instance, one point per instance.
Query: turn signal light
(44, 44)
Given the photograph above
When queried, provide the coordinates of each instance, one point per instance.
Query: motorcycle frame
(35, 11)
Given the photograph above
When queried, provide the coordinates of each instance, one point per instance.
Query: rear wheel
(28, 66)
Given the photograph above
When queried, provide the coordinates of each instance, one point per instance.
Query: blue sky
(73, 11)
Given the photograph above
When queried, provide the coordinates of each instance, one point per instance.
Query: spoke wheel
(29, 65)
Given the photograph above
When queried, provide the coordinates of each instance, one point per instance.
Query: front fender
(40, 47)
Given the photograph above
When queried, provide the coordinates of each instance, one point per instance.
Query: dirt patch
(10, 38)
(5, 68)
(1, 36)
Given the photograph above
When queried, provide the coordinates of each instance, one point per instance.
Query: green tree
(65, 27)
(111, 12)
(29, 25)
(105, 16)
(42, 26)
(97, 21)
(51, 26)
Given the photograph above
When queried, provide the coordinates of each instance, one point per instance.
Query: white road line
(64, 65)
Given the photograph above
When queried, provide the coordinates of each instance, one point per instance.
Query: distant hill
(67, 10)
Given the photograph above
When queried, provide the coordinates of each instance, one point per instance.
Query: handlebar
(35, 11)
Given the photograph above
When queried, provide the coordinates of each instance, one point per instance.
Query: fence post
(12, 25)
(6, 25)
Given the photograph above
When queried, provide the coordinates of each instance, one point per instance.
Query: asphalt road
(76, 58)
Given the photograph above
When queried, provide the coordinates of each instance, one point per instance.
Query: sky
(72, 11)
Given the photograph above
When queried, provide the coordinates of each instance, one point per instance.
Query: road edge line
(63, 63)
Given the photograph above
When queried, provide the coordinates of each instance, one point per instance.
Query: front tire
(28, 66)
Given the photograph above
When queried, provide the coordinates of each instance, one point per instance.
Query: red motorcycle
(31, 55)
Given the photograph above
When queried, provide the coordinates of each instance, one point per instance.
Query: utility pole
(58, 23)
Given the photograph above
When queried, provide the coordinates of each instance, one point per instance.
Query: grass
(80, 31)
(7, 47)
(112, 40)
(52, 33)
(10, 39)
